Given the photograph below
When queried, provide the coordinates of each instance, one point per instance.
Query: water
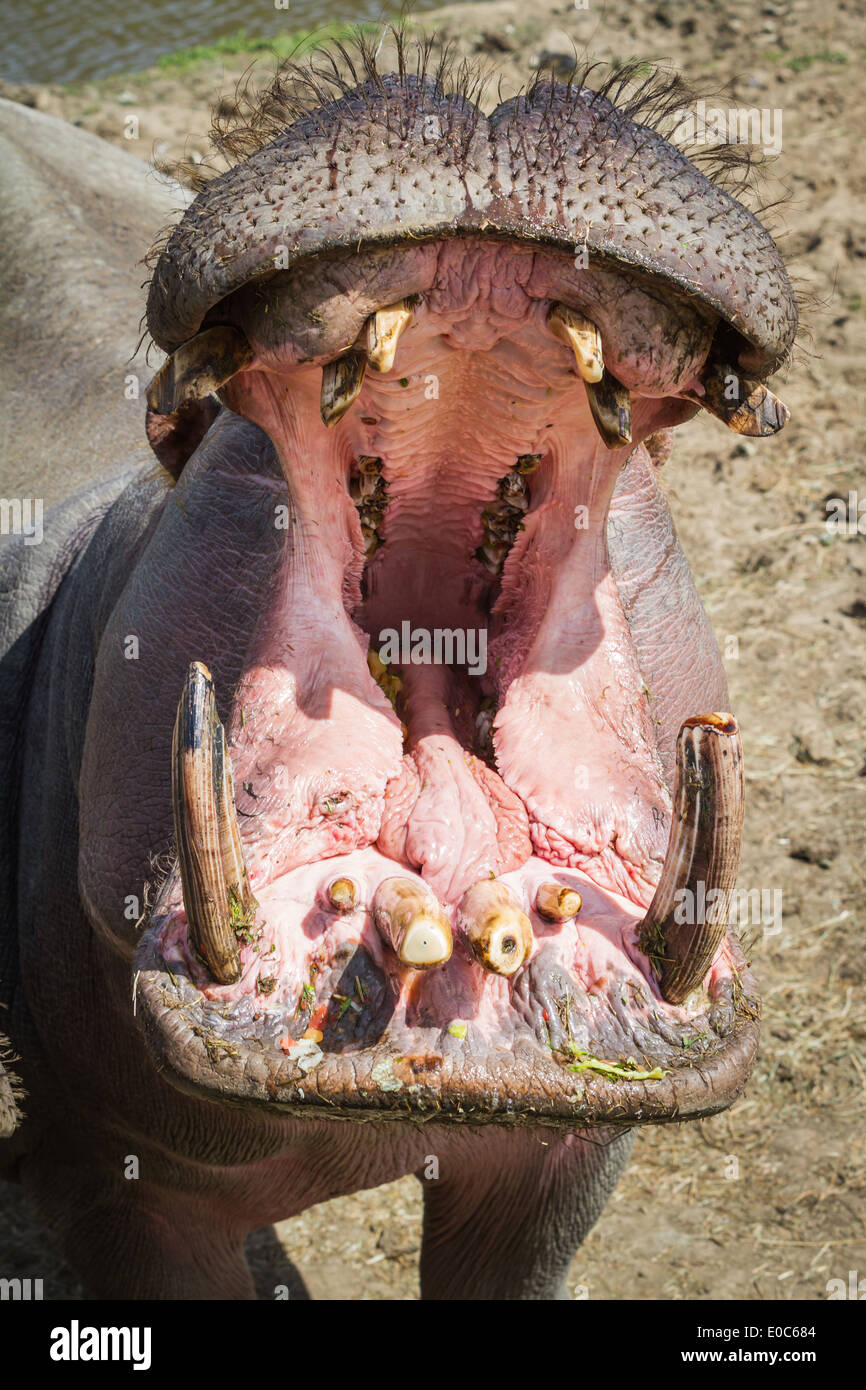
(63, 40)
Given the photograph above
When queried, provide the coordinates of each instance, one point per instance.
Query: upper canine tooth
(703, 855)
(611, 410)
(341, 384)
(746, 407)
(180, 399)
(411, 920)
(582, 336)
(498, 932)
(198, 367)
(383, 334)
(216, 889)
(556, 902)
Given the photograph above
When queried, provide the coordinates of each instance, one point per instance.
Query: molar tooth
(370, 464)
(528, 463)
(411, 920)
(557, 903)
(371, 540)
(343, 894)
(342, 380)
(383, 334)
(216, 889)
(498, 932)
(703, 854)
(582, 336)
(746, 407)
(492, 557)
(611, 410)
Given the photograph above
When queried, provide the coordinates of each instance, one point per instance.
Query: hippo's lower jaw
(324, 1011)
(447, 901)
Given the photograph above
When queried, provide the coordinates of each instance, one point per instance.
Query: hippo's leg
(505, 1221)
(133, 1239)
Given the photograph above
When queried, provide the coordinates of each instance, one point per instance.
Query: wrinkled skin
(599, 650)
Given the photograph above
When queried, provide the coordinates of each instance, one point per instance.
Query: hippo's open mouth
(450, 849)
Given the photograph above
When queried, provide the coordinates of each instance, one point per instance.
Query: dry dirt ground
(767, 1200)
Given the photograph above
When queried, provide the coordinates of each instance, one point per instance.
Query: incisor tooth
(343, 895)
(383, 334)
(556, 902)
(498, 932)
(611, 410)
(342, 380)
(582, 336)
(411, 920)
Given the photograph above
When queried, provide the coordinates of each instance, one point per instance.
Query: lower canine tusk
(498, 932)
(686, 921)
(216, 890)
(411, 920)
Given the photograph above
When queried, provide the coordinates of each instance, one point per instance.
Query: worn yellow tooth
(342, 380)
(343, 894)
(702, 858)
(582, 336)
(383, 334)
(745, 406)
(411, 920)
(198, 367)
(610, 405)
(217, 898)
(556, 902)
(498, 932)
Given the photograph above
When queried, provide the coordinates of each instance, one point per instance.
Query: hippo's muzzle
(465, 839)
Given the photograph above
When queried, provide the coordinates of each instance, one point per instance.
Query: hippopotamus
(373, 804)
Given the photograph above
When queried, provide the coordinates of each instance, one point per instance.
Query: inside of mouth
(442, 684)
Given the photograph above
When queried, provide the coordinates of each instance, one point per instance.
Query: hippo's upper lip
(395, 161)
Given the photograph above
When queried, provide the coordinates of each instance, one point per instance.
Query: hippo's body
(318, 1055)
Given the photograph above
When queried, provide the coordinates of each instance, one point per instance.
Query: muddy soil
(767, 1200)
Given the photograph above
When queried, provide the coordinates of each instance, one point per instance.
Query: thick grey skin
(74, 225)
(560, 167)
(208, 1175)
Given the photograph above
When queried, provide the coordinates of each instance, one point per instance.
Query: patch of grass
(241, 43)
(614, 1071)
(802, 62)
(242, 918)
